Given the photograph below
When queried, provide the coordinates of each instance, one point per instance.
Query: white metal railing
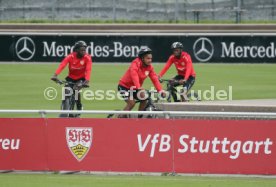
(166, 114)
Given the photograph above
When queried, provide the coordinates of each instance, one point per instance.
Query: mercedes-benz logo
(203, 49)
(25, 48)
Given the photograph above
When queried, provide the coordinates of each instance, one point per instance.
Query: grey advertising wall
(123, 48)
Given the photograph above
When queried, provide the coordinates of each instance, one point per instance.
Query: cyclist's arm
(166, 67)
(62, 65)
(88, 69)
(134, 75)
(155, 80)
(189, 66)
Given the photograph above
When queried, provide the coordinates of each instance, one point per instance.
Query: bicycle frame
(68, 103)
(171, 84)
(149, 106)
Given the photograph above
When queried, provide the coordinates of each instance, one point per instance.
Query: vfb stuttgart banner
(144, 145)
(124, 48)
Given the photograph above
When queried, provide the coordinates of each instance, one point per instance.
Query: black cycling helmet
(177, 45)
(144, 51)
(79, 44)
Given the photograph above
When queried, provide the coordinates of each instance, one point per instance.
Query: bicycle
(149, 107)
(171, 88)
(68, 103)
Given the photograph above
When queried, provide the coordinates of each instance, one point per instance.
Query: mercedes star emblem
(203, 49)
(25, 48)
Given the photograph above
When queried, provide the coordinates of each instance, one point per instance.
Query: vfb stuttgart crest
(79, 141)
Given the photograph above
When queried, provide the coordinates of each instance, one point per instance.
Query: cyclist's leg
(130, 103)
(173, 88)
(78, 101)
(143, 103)
(129, 99)
(69, 91)
(142, 107)
(178, 77)
(75, 99)
(69, 79)
(66, 101)
(189, 84)
(186, 88)
(141, 97)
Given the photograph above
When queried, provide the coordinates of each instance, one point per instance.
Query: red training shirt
(78, 67)
(137, 73)
(184, 65)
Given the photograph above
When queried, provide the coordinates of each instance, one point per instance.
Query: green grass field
(22, 85)
(53, 180)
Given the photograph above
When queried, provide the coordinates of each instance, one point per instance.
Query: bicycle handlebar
(171, 81)
(72, 83)
(166, 80)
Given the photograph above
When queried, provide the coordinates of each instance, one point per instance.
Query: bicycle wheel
(72, 106)
(151, 108)
(65, 105)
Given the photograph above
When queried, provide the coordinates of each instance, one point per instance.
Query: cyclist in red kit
(131, 83)
(80, 64)
(184, 66)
